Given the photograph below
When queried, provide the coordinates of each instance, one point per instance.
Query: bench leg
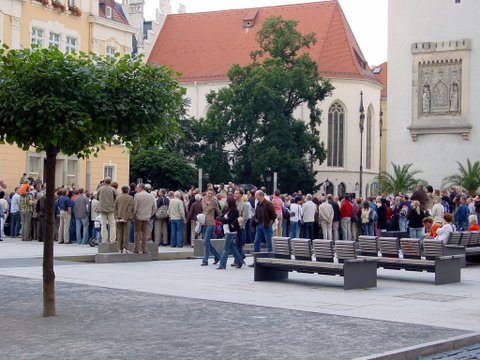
(359, 275)
(447, 271)
(265, 274)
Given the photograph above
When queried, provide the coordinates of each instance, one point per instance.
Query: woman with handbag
(231, 225)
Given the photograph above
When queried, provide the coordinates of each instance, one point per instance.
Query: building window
(71, 44)
(71, 172)
(108, 11)
(37, 37)
(336, 131)
(34, 166)
(369, 131)
(54, 40)
(109, 171)
(457, 1)
(111, 51)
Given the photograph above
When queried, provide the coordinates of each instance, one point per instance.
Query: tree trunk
(48, 273)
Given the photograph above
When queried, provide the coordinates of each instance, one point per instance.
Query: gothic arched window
(336, 131)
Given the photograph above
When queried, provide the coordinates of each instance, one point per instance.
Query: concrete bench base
(218, 244)
(357, 273)
(105, 248)
(105, 258)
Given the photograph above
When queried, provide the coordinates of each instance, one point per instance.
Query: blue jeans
(294, 229)
(177, 233)
(284, 227)
(367, 229)
(82, 223)
(247, 232)
(262, 233)
(207, 245)
(402, 224)
(308, 230)
(230, 248)
(416, 233)
(239, 241)
(15, 224)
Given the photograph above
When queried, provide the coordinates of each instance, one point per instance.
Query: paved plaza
(177, 309)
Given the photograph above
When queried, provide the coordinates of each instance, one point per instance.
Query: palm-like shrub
(467, 177)
(402, 180)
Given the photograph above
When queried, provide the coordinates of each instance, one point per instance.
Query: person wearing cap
(106, 202)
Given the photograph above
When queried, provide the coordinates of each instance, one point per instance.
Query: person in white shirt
(444, 232)
(296, 213)
(325, 218)
(309, 209)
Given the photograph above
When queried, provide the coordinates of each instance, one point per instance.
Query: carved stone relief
(440, 88)
(440, 84)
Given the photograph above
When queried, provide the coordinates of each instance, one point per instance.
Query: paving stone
(99, 323)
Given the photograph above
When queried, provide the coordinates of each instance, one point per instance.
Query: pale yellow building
(102, 27)
(381, 72)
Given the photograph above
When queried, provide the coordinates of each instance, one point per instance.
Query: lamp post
(361, 125)
(381, 134)
(268, 178)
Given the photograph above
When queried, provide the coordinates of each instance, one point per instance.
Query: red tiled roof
(203, 46)
(117, 12)
(382, 76)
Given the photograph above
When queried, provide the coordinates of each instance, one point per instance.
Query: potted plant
(75, 10)
(59, 6)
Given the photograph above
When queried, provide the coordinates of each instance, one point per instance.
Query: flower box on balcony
(59, 6)
(75, 10)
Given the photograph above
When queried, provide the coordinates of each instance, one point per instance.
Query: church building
(203, 46)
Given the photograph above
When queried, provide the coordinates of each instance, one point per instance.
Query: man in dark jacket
(264, 217)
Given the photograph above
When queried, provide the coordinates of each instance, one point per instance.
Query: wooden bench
(464, 243)
(368, 245)
(357, 273)
(447, 269)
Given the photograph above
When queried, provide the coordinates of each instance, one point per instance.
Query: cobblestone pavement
(467, 353)
(100, 323)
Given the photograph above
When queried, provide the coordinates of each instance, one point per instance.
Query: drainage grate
(433, 297)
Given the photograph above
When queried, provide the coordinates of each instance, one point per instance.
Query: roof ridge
(312, 3)
(353, 45)
(328, 30)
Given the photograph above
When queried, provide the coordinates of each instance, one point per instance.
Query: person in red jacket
(346, 211)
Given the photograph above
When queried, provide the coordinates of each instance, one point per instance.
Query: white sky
(367, 18)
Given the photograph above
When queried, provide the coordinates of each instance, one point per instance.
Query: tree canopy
(250, 130)
(402, 180)
(467, 177)
(74, 103)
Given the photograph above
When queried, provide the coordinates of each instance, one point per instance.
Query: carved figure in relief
(426, 97)
(454, 97)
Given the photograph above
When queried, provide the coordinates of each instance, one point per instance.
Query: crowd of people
(139, 214)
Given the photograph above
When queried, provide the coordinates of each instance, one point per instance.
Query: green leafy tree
(402, 180)
(251, 120)
(163, 167)
(72, 104)
(467, 177)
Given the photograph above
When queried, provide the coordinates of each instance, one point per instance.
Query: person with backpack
(403, 214)
(161, 219)
(366, 219)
